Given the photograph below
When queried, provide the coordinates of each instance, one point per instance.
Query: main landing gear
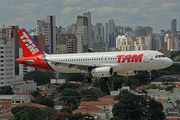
(88, 80)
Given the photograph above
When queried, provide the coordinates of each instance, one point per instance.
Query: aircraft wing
(80, 66)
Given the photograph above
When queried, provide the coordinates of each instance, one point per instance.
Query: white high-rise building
(7, 67)
(98, 31)
(106, 35)
(47, 28)
(83, 21)
(111, 26)
(23, 69)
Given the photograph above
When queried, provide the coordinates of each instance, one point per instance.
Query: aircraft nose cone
(169, 62)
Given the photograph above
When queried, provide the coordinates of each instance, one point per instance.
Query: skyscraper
(111, 26)
(84, 23)
(47, 28)
(174, 26)
(11, 32)
(7, 67)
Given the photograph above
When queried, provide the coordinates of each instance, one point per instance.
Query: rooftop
(32, 104)
(107, 96)
(90, 103)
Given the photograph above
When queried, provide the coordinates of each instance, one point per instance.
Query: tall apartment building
(47, 28)
(84, 24)
(174, 26)
(100, 46)
(98, 31)
(172, 42)
(11, 32)
(72, 29)
(148, 30)
(60, 37)
(7, 67)
(71, 43)
(106, 35)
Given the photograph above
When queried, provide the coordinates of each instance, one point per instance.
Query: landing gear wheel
(88, 80)
(104, 79)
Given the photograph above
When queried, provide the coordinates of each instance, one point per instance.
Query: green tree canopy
(31, 113)
(166, 81)
(91, 94)
(121, 93)
(153, 86)
(6, 90)
(102, 85)
(132, 107)
(47, 113)
(70, 96)
(39, 77)
(43, 101)
(68, 85)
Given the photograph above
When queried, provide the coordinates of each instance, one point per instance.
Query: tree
(39, 77)
(70, 96)
(155, 110)
(129, 107)
(61, 114)
(142, 76)
(6, 90)
(31, 113)
(121, 93)
(35, 93)
(132, 107)
(91, 94)
(75, 77)
(44, 101)
(153, 86)
(22, 115)
(166, 81)
(68, 85)
(102, 85)
(47, 113)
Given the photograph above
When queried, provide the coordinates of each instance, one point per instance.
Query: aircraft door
(146, 58)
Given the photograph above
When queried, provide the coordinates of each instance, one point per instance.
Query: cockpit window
(159, 56)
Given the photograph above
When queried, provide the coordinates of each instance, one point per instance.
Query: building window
(18, 101)
(12, 101)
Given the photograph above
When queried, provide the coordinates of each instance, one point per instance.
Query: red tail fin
(29, 46)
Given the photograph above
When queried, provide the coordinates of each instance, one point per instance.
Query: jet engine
(102, 72)
(127, 73)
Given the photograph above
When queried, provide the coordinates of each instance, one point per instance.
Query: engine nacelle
(127, 73)
(102, 72)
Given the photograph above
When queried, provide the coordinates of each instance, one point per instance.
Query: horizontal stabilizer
(27, 61)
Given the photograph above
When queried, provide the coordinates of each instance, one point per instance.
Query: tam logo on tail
(28, 45)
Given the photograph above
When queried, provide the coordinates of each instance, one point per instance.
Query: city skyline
(156, 14)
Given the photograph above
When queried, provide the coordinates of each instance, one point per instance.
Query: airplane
(100, 64)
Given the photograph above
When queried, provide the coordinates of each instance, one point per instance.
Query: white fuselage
(129, 60)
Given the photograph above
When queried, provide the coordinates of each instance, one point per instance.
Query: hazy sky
(155, 13)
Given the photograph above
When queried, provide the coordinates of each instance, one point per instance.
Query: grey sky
(155, 13)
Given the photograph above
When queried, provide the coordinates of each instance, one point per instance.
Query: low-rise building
(23, 86)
